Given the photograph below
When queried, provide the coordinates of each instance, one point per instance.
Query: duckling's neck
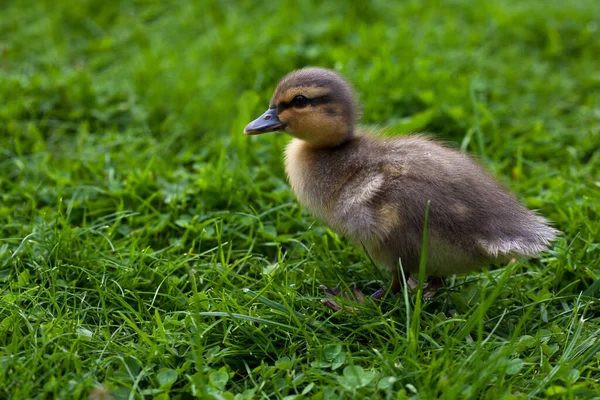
(321, 142)
(312, 171)
(301, 158)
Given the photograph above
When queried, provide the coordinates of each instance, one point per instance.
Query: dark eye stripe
(312, 102)
(320, 100)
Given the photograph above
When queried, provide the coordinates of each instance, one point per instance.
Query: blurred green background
(131, 202)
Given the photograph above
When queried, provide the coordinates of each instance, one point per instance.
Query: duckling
(374, 190)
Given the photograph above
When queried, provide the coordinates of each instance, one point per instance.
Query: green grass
(149, 249)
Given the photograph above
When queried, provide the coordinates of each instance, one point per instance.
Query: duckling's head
(312, 104)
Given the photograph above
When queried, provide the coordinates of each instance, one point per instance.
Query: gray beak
(268, 122)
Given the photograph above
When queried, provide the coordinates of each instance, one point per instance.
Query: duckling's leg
(435, 283)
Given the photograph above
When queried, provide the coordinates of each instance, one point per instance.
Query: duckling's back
(375, 192)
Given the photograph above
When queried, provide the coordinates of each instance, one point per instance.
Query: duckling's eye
(299, 101)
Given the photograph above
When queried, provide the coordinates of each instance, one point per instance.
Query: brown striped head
(313, 104)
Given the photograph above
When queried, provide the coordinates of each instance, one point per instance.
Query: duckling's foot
(352, 296)
(379, 294)
(432, 286)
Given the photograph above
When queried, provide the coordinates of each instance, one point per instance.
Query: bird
(375, 189)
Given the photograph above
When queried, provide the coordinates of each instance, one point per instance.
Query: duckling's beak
(268, 122)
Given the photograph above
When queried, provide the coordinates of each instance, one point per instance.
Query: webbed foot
(432, 286)
(354, 296)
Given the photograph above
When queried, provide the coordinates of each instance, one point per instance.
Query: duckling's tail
(534, 238)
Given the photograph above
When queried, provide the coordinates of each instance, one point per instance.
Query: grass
(149, 250)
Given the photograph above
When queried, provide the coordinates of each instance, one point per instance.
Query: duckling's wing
(467, 206)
